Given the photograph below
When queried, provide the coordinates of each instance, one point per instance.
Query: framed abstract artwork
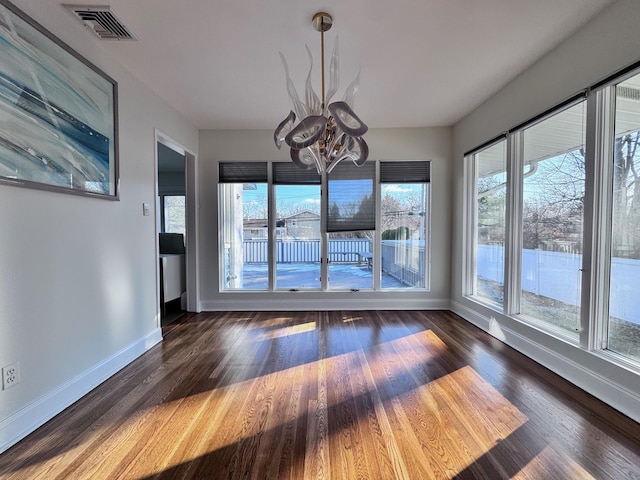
(58, 113)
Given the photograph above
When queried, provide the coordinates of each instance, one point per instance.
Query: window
(273, 235)
(490, 180)
(297, 197)
(173, 214)
(553, 188)
(623, 326)
(243, 210)
(404, 218)
(543, 237)
(530, 198)
(350, 224)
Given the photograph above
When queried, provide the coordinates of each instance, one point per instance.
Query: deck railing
(306, 251)
(402, 260)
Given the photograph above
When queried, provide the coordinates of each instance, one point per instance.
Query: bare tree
(390, 205)
(559, 207)
(491, 192)
(255, 208)
(626, 201)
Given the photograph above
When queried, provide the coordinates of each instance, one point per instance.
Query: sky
(305, 197)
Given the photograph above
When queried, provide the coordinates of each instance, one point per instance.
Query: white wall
(77, 274)
(384, 144)
(607, 44)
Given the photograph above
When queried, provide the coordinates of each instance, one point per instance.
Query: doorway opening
(175, 220)
(172, 229)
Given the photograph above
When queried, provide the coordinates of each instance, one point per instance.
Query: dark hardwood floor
(331, 395)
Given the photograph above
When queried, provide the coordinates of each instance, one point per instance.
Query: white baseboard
(292, 304)
(22, 423)
(600, 386)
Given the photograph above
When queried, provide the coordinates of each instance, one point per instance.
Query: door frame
(192, 252)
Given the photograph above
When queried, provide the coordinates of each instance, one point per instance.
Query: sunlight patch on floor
(287, 331)
(351, 318)
(496, 330)
(457, 415)
(538, 467)
(474, 415)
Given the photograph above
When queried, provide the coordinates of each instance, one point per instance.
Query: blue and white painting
(57, 119)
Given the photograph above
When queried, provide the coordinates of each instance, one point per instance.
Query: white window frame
(324, 267)
(470, 233)
(597, 325)
(596, 266)
(377, 243)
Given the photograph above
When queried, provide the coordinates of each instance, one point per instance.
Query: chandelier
(326, 135)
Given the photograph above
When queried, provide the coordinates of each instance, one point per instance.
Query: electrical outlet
(10, 375)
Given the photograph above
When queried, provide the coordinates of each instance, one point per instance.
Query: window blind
(405, 172)
(350, 197)
(287, 173)
(243, 172)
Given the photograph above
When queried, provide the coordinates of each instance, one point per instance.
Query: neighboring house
(257, 228)
(301, 225)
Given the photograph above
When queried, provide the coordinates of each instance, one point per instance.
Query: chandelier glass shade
(326, 135)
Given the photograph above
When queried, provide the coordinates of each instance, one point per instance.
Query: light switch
(145, 209)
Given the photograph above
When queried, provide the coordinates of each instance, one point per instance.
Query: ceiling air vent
(102, 21)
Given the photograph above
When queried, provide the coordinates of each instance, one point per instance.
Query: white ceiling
(423, 63)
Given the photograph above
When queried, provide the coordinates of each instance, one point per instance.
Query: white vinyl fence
(557, 275)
